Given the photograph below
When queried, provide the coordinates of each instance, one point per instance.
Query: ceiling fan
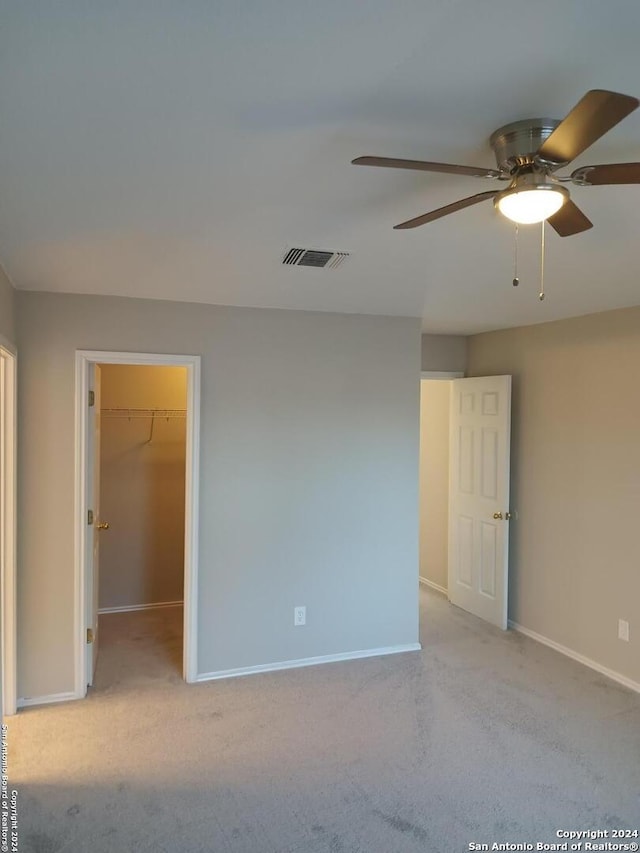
(528, 153)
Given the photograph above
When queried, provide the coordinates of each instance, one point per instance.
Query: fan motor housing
(515, 145)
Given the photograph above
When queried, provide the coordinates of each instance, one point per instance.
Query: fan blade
(610, 173)
(569, 220)
(591, 118)
(426, 166)
(445, 211)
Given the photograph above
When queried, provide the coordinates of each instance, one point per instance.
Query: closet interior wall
(142, 486)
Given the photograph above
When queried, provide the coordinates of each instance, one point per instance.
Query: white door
(95, 525)
(479, 496)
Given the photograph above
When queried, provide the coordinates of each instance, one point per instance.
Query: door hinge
(92, 398)
(89, 635)
(89, 516)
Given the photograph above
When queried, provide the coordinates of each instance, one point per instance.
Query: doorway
(8, 438)
(464, 492)
(142, 498)
(137, 418)
(435, 391)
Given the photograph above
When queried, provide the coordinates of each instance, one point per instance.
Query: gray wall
(142, 485)
(444, 353)
(575, 479)
(7, 308)
(309, 476)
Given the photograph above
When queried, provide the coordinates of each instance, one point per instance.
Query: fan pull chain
(516, 280)
(541, 294)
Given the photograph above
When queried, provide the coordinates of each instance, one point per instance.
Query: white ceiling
(174, 150)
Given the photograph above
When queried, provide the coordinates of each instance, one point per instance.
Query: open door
(94, 523)
(479, 496)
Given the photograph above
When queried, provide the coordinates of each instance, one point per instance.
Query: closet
(142, 492)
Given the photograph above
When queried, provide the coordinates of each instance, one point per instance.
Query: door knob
(102, 525)
(496, 515)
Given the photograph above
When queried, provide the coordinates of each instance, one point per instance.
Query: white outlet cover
(623, 630)
(299, 615)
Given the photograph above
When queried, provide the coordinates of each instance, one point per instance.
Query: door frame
(441, 374)
(85, 358)
(8, 516)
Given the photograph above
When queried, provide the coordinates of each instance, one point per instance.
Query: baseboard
(295, 664)
(28, 701)
(435, 586)
(129, 608)
(603, 670)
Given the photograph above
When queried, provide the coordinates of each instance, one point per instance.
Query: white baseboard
(603, 670)
(435, 586)
(295, 664)
(129, 608)
(28, 701)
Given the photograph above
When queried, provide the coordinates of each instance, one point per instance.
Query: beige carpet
(138, 649)
(482, 736)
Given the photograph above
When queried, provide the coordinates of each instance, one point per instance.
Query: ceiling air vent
(314, 258)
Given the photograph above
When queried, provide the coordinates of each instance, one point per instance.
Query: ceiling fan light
(530, 205)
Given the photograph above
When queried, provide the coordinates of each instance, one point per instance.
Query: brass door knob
(496, 515)
(103, 525)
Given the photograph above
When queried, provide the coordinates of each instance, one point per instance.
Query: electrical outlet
(623, 630)
(299, 616)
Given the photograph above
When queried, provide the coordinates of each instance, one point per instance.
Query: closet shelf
(143, 413)
(150, 414)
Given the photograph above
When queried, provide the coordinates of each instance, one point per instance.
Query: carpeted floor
(482, 737)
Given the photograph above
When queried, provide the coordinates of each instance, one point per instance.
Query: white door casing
(86, 589)
(480, 427)
(8, 515)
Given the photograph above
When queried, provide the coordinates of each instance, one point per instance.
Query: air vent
(314, 258)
